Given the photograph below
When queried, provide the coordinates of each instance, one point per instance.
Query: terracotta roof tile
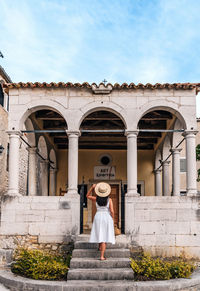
(115, 86)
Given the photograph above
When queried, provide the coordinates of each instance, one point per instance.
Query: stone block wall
(166, 226)
(39, 221)
(3, 156)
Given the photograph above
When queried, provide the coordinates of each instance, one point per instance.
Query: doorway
(115, 198)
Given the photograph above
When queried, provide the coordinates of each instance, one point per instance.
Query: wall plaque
(104, 173)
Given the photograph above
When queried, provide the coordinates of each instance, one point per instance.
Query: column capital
(46, 161)
(175, 150)
(156, 171)
(53, 170)
(32, 150)
(131, 133)
(14, 132)
(72, 133)
(189, 133)
(166, 163)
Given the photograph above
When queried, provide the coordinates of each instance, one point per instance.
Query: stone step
(109, 285)
(83, 237)
(100, 274)
(93, 253)
(87, 245)
(5, 256)
(87, 263)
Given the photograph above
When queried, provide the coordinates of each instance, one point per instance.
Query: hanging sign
(104, 173)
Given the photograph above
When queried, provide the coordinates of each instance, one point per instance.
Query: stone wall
(3, 156)
(39, 221)
(167, 226)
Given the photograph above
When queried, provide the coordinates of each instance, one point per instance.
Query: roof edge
(5, 75)
(109, 86)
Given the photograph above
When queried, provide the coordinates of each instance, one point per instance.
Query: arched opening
(102, 157)
(46, 143)
(154, 143)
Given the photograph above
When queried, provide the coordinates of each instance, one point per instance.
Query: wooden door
(115, 198)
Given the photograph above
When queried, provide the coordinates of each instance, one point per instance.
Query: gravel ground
(3, 288)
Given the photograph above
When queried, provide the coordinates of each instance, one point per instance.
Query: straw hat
(102, 189)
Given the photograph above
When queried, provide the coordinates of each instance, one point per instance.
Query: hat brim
(102, 194)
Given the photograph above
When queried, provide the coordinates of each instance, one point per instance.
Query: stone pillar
(132, 163)
(175, 171)
(32, 186)
(165, 178)
(158, 182)
(73, 162)
(13, 175)
(52, 184)
(44, 177)
(191, 162)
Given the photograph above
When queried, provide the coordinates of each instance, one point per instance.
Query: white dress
(102, 227)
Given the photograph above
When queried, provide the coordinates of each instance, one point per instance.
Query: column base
(191, 192)
(71, 192)
(176, 194)
(132, 194)
(13, 193)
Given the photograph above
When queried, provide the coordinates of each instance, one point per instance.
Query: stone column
(165, 178)
(44, 177)
(158, 182)
(132, 163)
(176, 171)
(52, 184)
(32, 186)
(13, 175)
(191, 162)
(73, 162)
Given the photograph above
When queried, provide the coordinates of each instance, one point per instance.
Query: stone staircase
(87, 272)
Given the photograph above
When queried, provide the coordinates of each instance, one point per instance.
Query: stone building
(4, 78)
(64, 137)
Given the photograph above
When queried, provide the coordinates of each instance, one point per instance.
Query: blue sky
(136, 41)
(89, 40)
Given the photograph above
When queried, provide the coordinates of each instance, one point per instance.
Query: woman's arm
(111, 208)
(89, 196)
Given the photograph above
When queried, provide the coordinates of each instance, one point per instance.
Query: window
(105, 159)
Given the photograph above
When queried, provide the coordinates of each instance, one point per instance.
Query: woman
(103, 227)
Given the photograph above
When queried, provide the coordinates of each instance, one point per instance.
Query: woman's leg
(99, 246)
(102, 249)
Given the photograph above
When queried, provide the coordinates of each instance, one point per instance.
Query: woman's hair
(102, 201)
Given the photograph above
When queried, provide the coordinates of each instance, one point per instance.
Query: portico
(65, 134)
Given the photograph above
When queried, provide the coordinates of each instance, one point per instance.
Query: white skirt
(102, 228)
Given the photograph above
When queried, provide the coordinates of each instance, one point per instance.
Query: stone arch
(166, 106)
(158, 157)
(166, 147)
(115, 109)
(52, 157)
(42, 174)
(42, 147)
(30, 136)
(177, 136)
(37, 105)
